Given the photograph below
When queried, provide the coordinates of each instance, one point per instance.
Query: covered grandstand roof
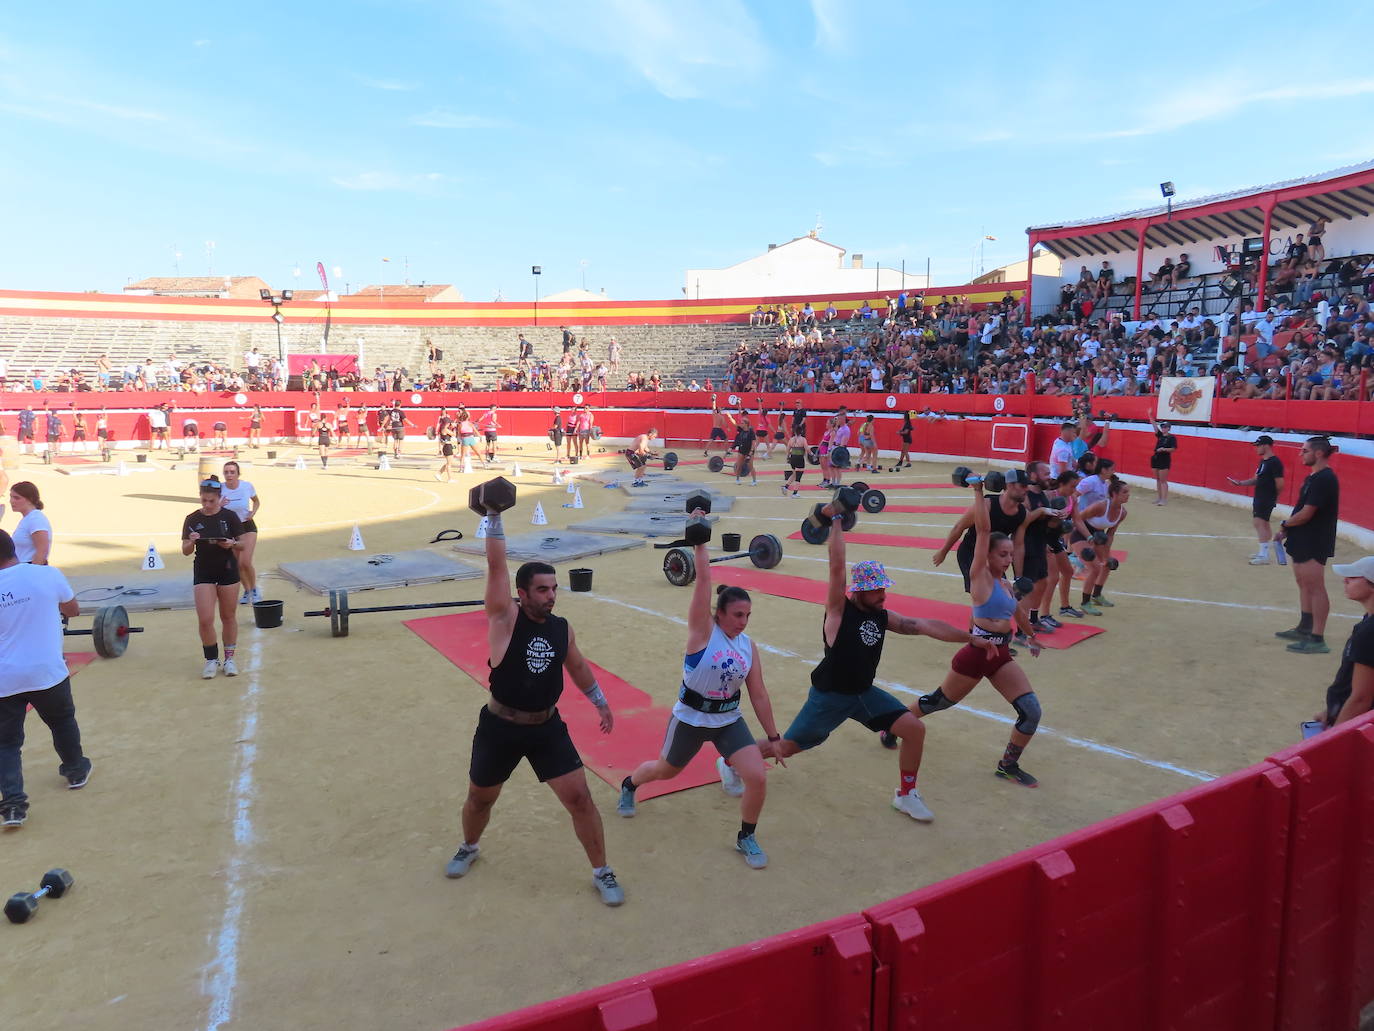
(1344, 193)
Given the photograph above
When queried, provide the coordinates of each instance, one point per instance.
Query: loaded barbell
(680, 565)
(338, 610)
(109, 631)
(22, 905)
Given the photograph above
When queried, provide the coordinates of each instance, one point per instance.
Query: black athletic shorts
(447, 450)
(1037, 567)
(398, 434)
(220, 577)
(1300, 550)
(491, 436)
(1055, 545)
(249, 526)
(780, 435)
(1158, 461)
(78, 434)
(637, 461)
(1262, 508)
(717, 433)
(498, 746)
(798, 464)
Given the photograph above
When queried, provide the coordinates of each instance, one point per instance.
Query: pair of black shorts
(490, 436)
(220, 577)
(249, 526)
(447, 450)
(717, 433)
(1055, 545)
(780, 435)
(799, 464)
(1158, 461)
(78, 434)
(1301, 550)
(498, 746)
(398, 434)
(556, 435)
(637, 461)
(1262, 508)
(324, 438)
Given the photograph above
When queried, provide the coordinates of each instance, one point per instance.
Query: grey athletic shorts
(682, 741)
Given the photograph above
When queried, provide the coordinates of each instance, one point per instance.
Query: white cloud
(831, 34)
(685, 51)
(200, 42)
(450, 120)
(422, 182)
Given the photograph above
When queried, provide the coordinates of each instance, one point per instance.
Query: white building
(804, 267)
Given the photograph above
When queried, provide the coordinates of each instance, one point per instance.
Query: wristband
(774, 737)
(595, 695)
(494, 526)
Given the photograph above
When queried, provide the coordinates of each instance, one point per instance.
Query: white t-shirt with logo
(31, 628)
(238, 500)
(32, 523)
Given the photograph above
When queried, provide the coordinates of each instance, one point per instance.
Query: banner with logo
(1186, 398)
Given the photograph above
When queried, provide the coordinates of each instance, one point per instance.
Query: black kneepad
(1027, 713)
(934, 702)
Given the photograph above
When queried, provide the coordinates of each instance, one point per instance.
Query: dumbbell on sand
(21, 906)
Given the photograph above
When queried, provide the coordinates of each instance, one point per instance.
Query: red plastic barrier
(819, 977)
(1165, 917)
(1327, 965)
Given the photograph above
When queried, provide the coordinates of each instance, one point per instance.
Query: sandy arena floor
(268, 851)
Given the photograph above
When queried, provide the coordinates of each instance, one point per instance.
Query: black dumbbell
(1113, 563)
(698, 528)
(815, 528)
(994, 482)
(1057, 503)
(1088, 555)
(669, 458)
(1099, 537)
(495, 495)
(1022, 586)
(680, 565)
(21, 906)
(699, 500)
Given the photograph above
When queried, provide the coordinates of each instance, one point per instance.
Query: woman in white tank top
(1099, 518)
(720, 665)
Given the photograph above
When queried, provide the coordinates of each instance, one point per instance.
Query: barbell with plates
(109, 631)
(994, 482)
(871, 500)
(715, 463)
(339, 610)
(22, 905)
(680, 565)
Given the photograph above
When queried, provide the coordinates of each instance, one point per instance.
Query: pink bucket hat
(870, 576)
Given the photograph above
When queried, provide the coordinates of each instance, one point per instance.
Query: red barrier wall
(819, 978)
(1246, 903)
(1201, 460)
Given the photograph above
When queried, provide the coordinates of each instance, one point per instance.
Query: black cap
(1264, 438)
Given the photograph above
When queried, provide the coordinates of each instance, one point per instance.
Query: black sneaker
(1069, 610)
(1295, 634)
(78, 780)
(889, 739)
(1050, 622)
(13, 816)
(1014, 773)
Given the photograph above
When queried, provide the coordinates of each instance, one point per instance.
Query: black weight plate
(847, 521)
(716, 464)
(338, 612)
(839, 457)
(860, 486)
(813, 534)
(110, 631)
(765, 551)
(874, 501)
(669, 461)
(679, 567)
(813, 455)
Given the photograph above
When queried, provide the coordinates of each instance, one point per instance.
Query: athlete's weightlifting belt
(987, 635)
(699, 702)
(521, 716)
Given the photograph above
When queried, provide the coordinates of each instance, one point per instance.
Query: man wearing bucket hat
(1351, 694)
(855, 626)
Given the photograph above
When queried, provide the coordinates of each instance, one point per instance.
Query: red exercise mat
(77, 660)
(799, 588)
(639, 723)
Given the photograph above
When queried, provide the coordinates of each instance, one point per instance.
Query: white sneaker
(257, 594)
(211, 668)
(231, 668)
(730, 781)
(1259, 560)
(913, 805)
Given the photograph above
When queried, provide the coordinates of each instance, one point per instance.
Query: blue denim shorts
(826, 710)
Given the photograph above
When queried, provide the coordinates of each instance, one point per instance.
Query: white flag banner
(1186, 398)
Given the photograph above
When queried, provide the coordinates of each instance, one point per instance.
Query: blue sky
(475, 140)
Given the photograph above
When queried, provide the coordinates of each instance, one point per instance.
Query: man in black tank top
(529, 648)
(1008, 511)
(855, 626)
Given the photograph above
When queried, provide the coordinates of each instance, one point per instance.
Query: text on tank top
(851, 663)
(530, 674)
(721, 668)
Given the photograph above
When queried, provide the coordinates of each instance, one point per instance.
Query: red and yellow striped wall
(370, 311)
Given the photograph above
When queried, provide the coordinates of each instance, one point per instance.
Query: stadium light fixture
(1167, 189)
(536, 271)
(265, 294)
(278, 318)
(287, 295)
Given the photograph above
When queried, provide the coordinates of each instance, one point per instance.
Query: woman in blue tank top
(997, 613)
(720, 664)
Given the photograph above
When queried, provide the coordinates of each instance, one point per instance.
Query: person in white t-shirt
(33, 600)
(33, 535)
(1061, 454)
(241, 498)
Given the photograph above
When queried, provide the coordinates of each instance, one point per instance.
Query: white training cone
(577, 499)
(121, 469)
(572, 487)
(152, 560)
(516, 471)
(539, 519)
(383, 463)
(355, 543)
(482, 529)
(300, 462)
(558, 476)
(467, 463)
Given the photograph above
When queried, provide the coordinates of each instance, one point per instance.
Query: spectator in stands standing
(613, 354)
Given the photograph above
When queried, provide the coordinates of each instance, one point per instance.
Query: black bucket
(271, 454)
(729, 541)
(579, 579)
(267, 614)
(141, 457)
